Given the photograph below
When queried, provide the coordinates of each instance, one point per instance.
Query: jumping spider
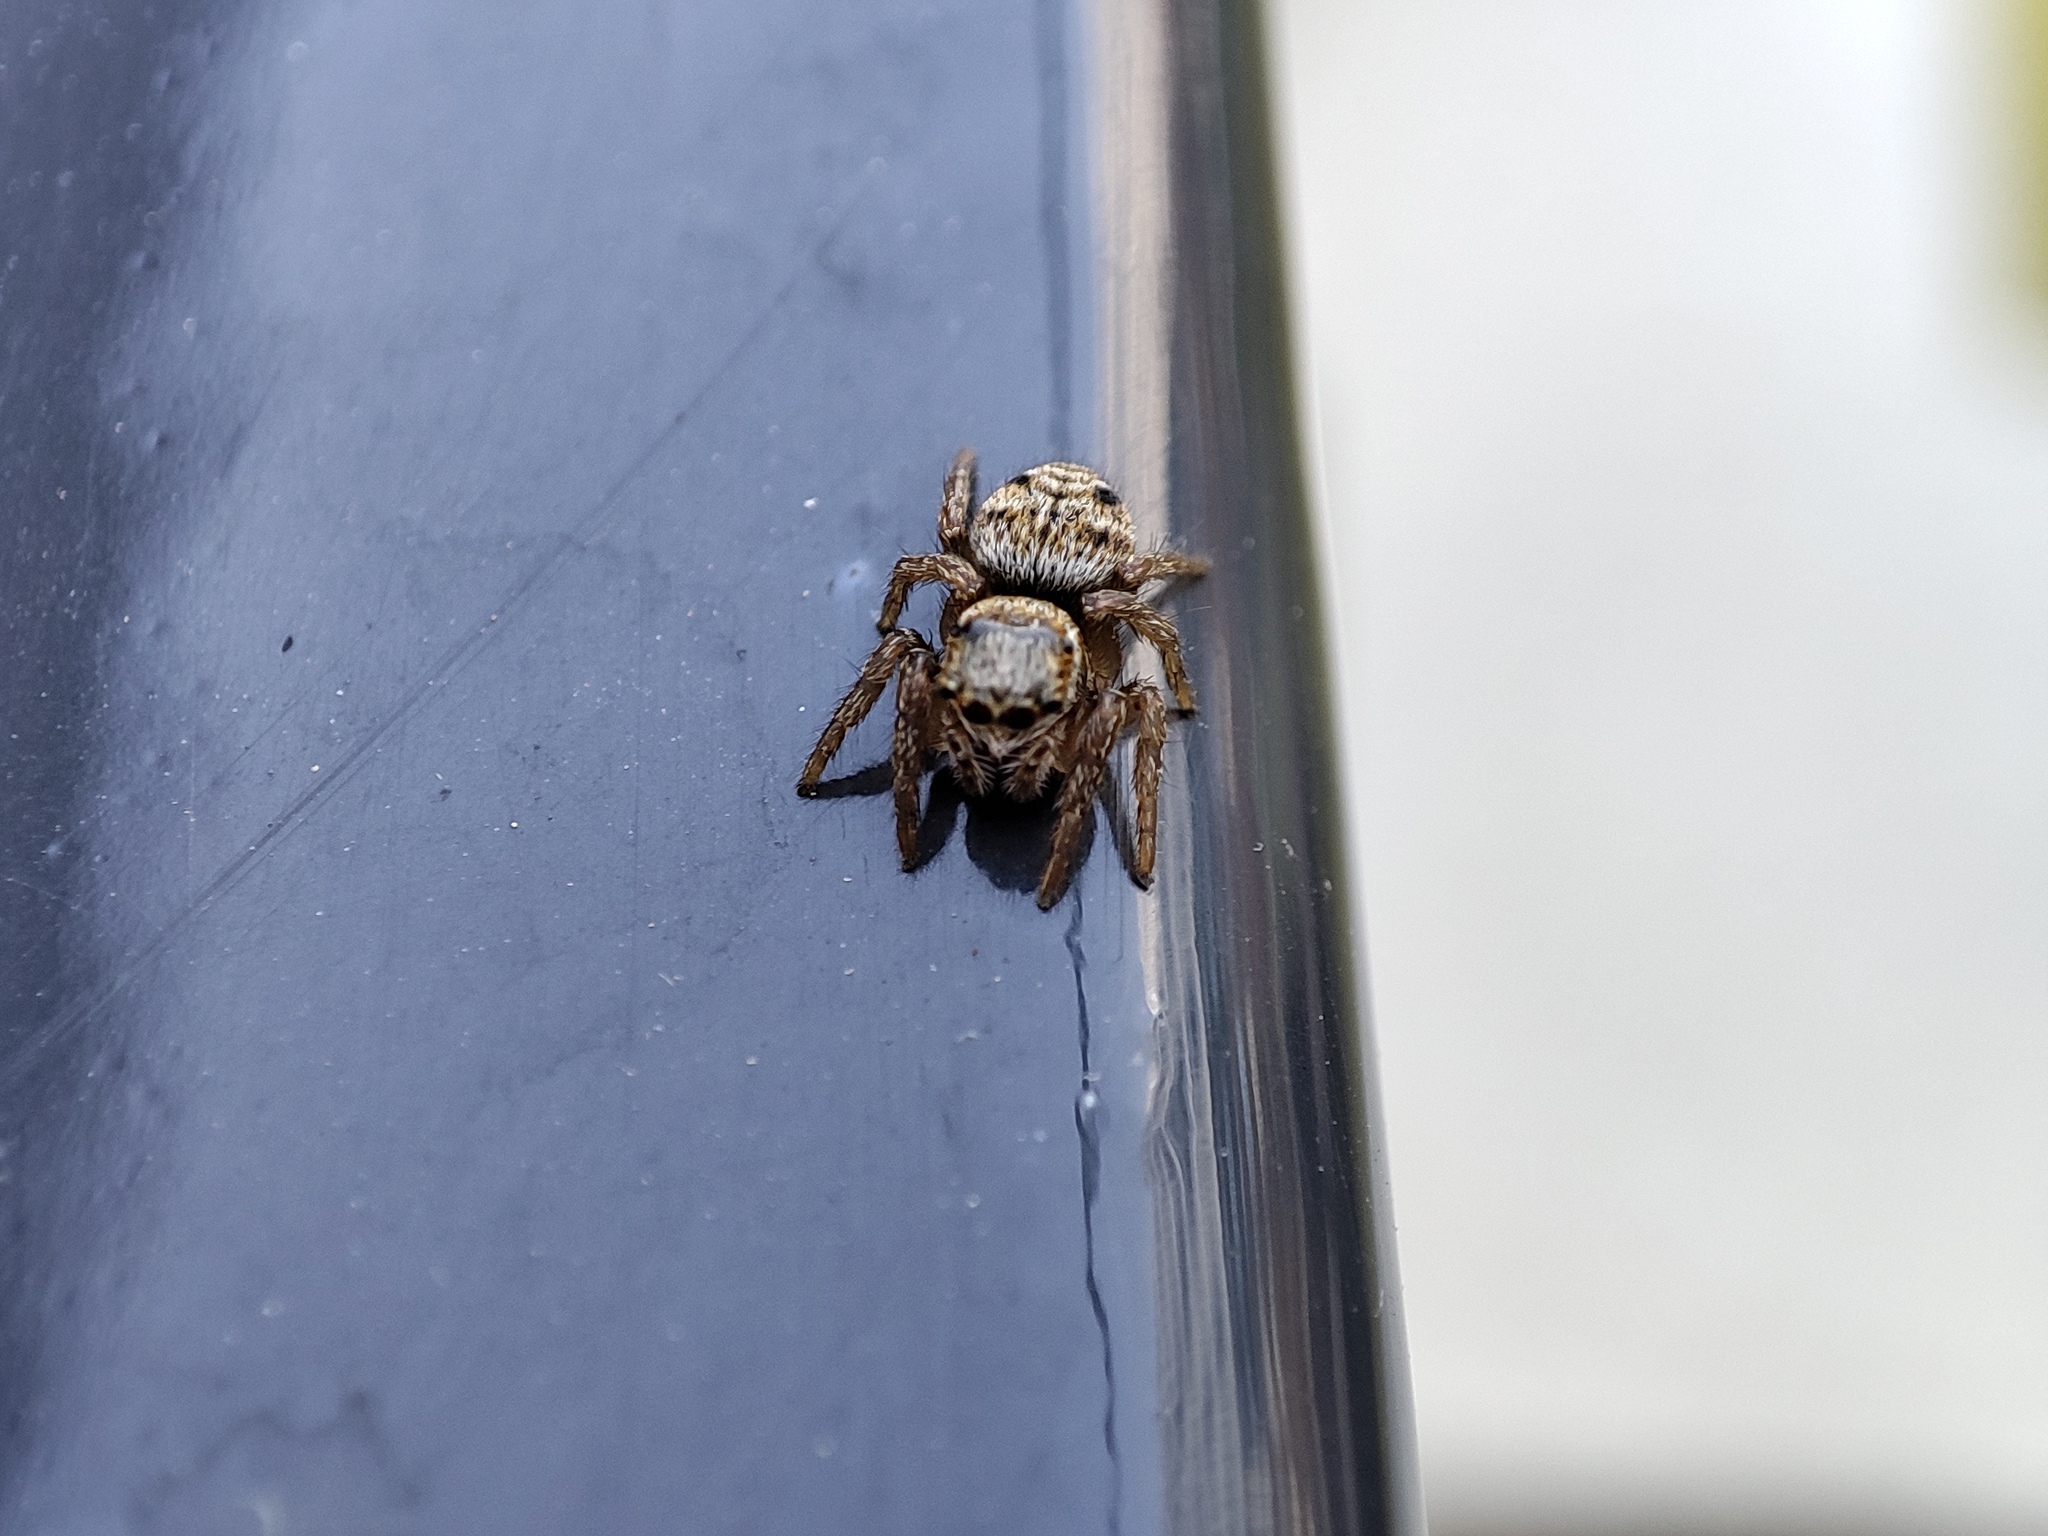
(1027, 680)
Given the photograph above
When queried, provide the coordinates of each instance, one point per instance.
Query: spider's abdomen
(1057, 528)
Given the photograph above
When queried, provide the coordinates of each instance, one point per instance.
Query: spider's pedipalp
(975, 775)
(874, 676)
(1037, 756)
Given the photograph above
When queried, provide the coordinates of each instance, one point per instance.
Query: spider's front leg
(907, 750)
(1093, 742)
(1113, 607)
(963, 581)
(875, 673)
(956, 504)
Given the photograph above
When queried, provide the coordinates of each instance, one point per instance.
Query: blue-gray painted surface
(450, 1082)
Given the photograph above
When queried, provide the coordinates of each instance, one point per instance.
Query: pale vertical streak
(2026, 45)
(1134, 256)
(1215, 1484)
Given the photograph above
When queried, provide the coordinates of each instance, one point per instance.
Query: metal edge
(1284, 1388)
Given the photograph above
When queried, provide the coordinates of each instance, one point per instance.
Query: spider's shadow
(1008, 842)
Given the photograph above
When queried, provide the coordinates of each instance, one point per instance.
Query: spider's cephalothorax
(1057, 532)
(1009, 704)
(1028, 683)
(1012, 661)
(1004, 691)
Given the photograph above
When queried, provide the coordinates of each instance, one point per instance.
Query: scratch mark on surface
(589, 531)
(46, 895)
(1091, 1183)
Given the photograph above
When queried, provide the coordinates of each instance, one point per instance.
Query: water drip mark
(1091, 1185)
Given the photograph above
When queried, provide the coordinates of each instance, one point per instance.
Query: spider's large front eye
(978, 714)
(1020, 718)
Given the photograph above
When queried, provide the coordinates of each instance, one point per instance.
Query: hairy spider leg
(1037, 757)
(962, 580)
(1113, 714)
(1150, 711)
(956, 504)
(907, 749)
(1161, 565)
(874, 676)
(975, 776)
(1108, 605)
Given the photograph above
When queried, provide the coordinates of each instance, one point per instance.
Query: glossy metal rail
(1287, 1371)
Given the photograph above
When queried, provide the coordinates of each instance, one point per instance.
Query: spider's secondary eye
(1108, 497)
(978, 714)
(1022, 482)
(1019, 718)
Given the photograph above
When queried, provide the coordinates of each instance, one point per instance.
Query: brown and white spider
(1024, 688)
(1058, 532)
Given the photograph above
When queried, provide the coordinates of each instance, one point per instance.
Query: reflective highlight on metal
(1284, 1369)
(448, 1081)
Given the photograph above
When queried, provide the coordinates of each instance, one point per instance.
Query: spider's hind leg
(1163, 565)
(956, 504)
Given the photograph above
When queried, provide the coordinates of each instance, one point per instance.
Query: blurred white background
(1685, 427)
